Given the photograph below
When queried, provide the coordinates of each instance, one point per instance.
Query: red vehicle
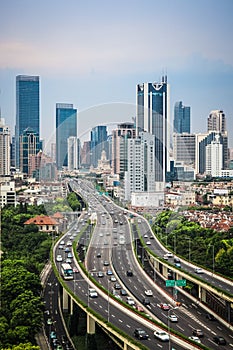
(164, 306)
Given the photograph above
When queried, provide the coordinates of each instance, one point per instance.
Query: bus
(67, 271)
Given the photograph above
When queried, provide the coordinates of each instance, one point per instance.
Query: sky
(93, 53)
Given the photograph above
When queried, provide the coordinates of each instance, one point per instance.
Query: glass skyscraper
(66, 126)
(153, 116)
(27, 107)
(181, 118)
(98, 143)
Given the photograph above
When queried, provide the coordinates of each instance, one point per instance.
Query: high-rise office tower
(73, 146)
(4, 148)
(153, 116)
(29, 146)
(140, 175)
(27, 107)
(181, 118)
(214, 158)
(98, 143)
(217, 121)
(184, 148)
(120, 136)
(66, 126)
(85, 154)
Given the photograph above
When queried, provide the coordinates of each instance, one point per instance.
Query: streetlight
(168, 325)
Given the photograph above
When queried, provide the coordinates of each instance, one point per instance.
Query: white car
(161, 335)
(93, 293)
(148, 242)
(149, 293)
(173, 318)
(69, 243)
(196, 339)
(198, 270)
(59, 258)
(130, 301)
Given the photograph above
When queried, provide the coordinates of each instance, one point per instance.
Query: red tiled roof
(41, 220)
(58, 215)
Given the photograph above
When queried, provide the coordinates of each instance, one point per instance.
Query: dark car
(198, 333)
(210, 317)
(123, 292)
(219, 340)
(146, 301)
(117, 286)
(129, 273)
(140, 333)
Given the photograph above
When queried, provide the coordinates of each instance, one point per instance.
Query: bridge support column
(127, 347)
(65, 300)
(202, 294)
(199, 292)
(90, 325)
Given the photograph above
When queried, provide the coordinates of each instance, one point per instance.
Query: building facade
(66, 126)
(4, 149)
(153, 116)
(99, 138)
(184, 148)
(73, 153)
(214, 158)
(181, 118)
(119, 141)
(217, 121)
(140, 175)
(29, 146)
(27, 108)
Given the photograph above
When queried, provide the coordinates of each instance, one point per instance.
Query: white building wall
(4, 149)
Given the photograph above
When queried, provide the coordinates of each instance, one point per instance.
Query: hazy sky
(93, 53)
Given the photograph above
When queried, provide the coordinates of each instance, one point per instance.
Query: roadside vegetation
(203, 246)
(24, 251)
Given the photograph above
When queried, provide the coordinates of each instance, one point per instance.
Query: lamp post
(168, 325)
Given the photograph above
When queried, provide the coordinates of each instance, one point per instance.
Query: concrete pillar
(65, 300)
(71, 306)
(90, 325)
(199, 292)
(203, 295)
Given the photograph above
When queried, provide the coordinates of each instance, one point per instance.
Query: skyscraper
(27, 107)
(181, 118)
(153, 116)
(4, 149)
(29, 146)
(216, 121)
(98, 143)
(66, 126)
(214, 158)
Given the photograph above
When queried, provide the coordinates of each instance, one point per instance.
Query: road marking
(120, 321)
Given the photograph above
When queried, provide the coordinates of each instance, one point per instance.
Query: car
(69, 255)
(100, 274)
(130, 301)
(176, 260)
(109, 272)
(149, 293)
(60, 246)
(145, 236)
(152, 237)
(219, 340)
(69, 243)
(173, 318)
(59, 258)
(129, 273)
(161, 335)
(148, 242)
(196, 339)
(67, 250)
(165, 257)
(75, 270)
(140, 333)
(124, 292)
(106, 263)
(169, 255)
(49, 321)
(178, 264)
(62, 242)
(210, 317)
(68, 261)
(53, 335)
(164, 306)
(113, 279)
(198, 333)
(198, 270)
(101, 234)
(139, 308)
(59, 347)
(105, 242)
(117, 286)
(146, 301)
(98, 255)
(92, 293)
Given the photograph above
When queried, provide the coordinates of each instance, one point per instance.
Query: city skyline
(103, 50)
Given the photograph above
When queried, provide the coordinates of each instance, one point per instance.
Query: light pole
(168, 325)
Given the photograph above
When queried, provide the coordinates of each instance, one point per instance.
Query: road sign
(170, 283)
(181, 283)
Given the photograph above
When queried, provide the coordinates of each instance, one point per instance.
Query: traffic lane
(115, 314)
